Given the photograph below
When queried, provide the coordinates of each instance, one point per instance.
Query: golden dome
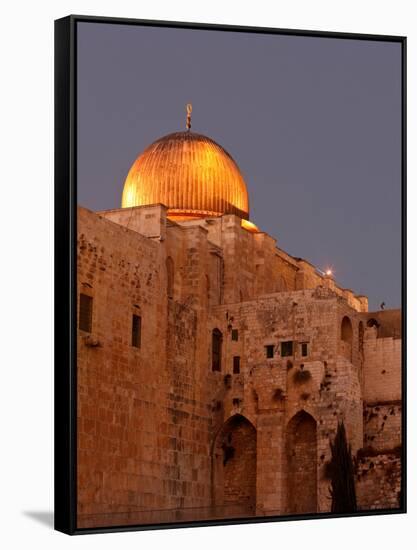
(191, 174)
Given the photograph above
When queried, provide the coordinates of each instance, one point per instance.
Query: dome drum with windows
(192, 175)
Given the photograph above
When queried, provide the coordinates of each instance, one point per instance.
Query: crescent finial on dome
(191, 174)
(189, 111)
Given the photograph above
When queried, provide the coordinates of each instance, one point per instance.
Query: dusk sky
(314, 125)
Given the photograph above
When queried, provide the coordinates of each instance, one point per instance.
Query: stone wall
(387, 321)
(382, 425)
(254, 265)
(301, 448)
(272, 391)
(154, 420)
(378, 482)
(149, 221)
(382, 367)
(116, 382)
(144, 422)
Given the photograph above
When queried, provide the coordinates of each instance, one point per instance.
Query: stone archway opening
(346, 338)
(234, 463)
(301, 451)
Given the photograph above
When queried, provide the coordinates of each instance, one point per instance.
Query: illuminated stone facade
(213, 369)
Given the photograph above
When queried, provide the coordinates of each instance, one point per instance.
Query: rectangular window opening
(235, 334)
(287, 349)
(236, 365)
(269, 351)
(304, 349)
(216, 350)
(136, 330)
(85, 319)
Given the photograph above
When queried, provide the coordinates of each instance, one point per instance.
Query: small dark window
(236, 365)
(304, 349)
(269, 351)
(86, 313)
(136, 330)
(235, 334)
(216, 350)
(286, 349)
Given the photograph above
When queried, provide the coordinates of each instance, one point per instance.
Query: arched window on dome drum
(170, 277)
(216, 350)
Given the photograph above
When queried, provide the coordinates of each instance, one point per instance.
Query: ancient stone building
(213, 367)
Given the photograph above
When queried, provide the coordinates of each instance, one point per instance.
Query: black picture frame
(65, 269)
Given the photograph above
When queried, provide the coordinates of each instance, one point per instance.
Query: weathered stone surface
(162, 437)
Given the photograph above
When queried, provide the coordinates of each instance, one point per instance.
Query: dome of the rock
(190, 174)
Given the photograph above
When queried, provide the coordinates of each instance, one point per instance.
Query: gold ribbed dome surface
(191, 174)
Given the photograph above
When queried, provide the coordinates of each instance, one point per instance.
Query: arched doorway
(234, 467)
(301, 451)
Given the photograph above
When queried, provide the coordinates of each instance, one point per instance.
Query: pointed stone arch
(301, 454)
(234, 466)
